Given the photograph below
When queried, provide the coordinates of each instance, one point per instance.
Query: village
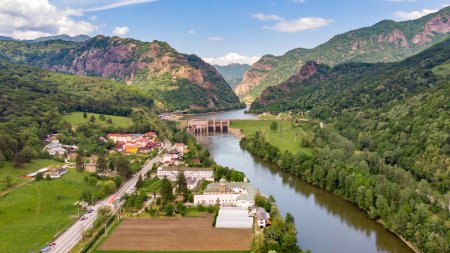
(178, 186)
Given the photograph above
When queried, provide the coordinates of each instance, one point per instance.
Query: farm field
(76, 118)
(16, 174)
(33, 214)
(289, 139)
(175, 235)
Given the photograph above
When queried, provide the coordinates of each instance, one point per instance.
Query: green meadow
(76, 118)
(32, 215)
(285, 138)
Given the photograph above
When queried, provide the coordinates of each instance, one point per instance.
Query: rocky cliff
(386, 41)
(175, 80)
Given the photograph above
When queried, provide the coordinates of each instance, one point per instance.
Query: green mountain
(400, 110)
(78, 38)
(386, 41)
(176, 81)
(32, 101)
(232, 73)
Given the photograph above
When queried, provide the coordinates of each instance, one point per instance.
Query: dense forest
(32, 101)
(398, 110)
(386, 192)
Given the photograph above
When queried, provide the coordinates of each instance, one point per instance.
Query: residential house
(262, 217)
(239, 194)
(119, 137)
(131, 148)
(181, 147)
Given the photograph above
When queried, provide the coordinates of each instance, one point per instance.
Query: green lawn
(76, 118)
(152, 185)
(286, 138)
(16, 174)
(34, 213)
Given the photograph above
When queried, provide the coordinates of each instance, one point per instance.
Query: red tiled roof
(150, 134)
(118, 135)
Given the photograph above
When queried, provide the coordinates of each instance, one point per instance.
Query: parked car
(45, 249)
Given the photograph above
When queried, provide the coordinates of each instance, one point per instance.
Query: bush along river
(325, 222)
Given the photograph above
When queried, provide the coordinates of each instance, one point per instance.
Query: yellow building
(131, 148)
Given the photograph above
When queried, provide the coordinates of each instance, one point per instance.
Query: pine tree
(79, 163)
(166, 191)
(101, 164)
(182, 188)
(123, 167)
(140, 182)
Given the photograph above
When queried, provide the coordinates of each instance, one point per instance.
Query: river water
(325, 222)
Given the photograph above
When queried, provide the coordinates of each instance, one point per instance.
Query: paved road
(67, 240)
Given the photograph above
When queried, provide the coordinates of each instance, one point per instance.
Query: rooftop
(184, 168)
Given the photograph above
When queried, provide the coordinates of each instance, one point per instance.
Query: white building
(234, 217)
(56, 148)
(240, 194)
(262, 217)
(189, 172)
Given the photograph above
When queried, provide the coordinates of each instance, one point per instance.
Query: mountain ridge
(177, 81)
(385, 41)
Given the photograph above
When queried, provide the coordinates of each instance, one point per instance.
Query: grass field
(16, 174)
(152, 185)
(175, 235)
(76, 118)
(34, 213)
(286, 137)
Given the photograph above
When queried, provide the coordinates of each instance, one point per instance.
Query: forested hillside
(32, 101)
(386, 41)
(174, 80)
(399, 110)
(232, 73)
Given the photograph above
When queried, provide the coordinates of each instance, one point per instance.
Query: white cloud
(265, 17)
(216, 38)
(93, 17)
(231, 58)
(402, 15)
(298, 1)
(122, 30)
(191, 32)
(399, 1)
(301, 24)
(119, 4)
(25, 19)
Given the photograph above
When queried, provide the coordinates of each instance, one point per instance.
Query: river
(325, 222)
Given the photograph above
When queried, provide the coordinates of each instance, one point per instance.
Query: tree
(101, 163)
(19, 160)
(109, 121)
(168, 209)
(92, 119)
(79, 164)
(86, 196)
(182, 188)
(140, 182)
(2, 159)
(85, 115)
(39, 176)
(274, 126)
(166, 191)
(8, 181)
(102, 117)
(123, 167)
(111, 165)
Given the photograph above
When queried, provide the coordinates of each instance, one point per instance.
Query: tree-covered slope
(232, 73)
(173, 79)
(400, 110)
(32, 101)
(386, 41)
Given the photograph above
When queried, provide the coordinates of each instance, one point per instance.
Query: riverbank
(282, 160)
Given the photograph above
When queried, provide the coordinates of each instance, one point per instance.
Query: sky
(219, 31)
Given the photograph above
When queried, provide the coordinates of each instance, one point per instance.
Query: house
(181, 147)
(239, 194)
(56, 148)
(57, 173)
(32, 175)
(151, 135)
(262, 217)
(131, 148)
(141, 142)
(119, 137)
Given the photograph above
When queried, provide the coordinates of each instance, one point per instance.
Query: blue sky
(208, 28)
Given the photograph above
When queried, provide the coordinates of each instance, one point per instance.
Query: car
(90, 211)
(83, 218)
(45, 249)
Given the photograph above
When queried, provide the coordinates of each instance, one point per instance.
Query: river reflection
(326, 223)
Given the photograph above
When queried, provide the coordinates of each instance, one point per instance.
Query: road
(67, 240)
